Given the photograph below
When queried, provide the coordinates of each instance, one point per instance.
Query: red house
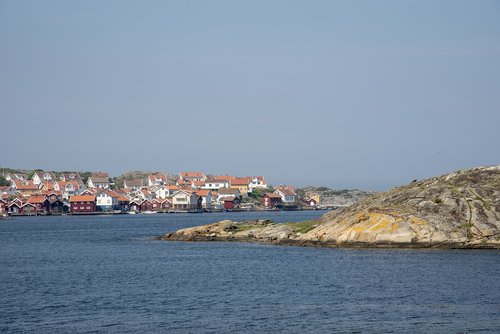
(146, 205)
(14, 207)
(271, 200)
(82, 204)
(123, 202)
(135, 205)
(28, 209)
(231, 202)
(41, 203)
(166, 204)
(155, 205)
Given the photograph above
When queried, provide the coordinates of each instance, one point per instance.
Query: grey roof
(228, 191)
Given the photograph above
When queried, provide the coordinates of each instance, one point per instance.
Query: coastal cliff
(457, 210)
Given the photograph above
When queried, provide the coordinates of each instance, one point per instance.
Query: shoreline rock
(457, 210)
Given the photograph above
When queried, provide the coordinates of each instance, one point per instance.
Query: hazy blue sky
(366, 94)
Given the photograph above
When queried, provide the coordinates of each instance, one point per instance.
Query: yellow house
(314, 196)
(242, 184)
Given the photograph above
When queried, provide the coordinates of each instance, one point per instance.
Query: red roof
(202, 193)
(82, 198)
(198, 183)
(286, 191)
(25, 185)
(223, 178)
(37, 199)
(272, 195)
(241, 181)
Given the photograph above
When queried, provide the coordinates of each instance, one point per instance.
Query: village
(50, 193)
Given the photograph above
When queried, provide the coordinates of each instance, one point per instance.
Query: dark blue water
(106, 274)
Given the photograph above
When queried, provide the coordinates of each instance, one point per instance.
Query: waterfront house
(271, 200)
(146, 205)
(135, 204)
(166, 204)
(106, 200)
(156, 204)
(312, 195)
(206, 198)
(82, 203)
(231, 202)
(311, 202)
(28, 209)
(41, 203)
(14, 207)
(98, 180)
(186, 200)
(123, 202)
(287, 194)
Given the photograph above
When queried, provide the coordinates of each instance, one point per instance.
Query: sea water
(107, 274)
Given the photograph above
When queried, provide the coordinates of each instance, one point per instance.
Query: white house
(206, 198)
(105, 201)
(19, 177)
(98, 180)
(71, 176)
(133, 184)
(287, 195)
(192, 176)
(257, 182)
(157, 179)
(43, 177)
(228, 192)
(67, 188)
(165, 191)
(215, 184)
(183, 199)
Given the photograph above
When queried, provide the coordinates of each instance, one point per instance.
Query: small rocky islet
(456, 210)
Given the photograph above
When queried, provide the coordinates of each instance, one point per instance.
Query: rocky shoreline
(457, 210)
(267, 232)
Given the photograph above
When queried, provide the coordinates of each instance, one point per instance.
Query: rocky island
(457, 210)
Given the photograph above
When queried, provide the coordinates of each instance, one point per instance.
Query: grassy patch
(303, 227)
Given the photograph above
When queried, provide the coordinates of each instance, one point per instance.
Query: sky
(344, 94)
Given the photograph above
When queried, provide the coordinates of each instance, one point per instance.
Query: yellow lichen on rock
(417, 221)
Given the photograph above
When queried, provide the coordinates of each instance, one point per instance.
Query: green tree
(4, 182)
